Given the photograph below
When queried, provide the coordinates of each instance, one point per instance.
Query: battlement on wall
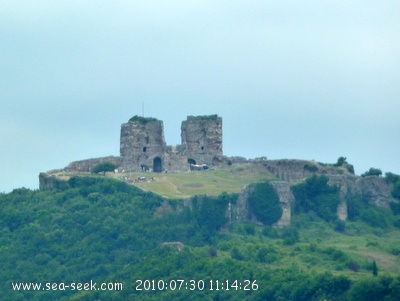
(143, 146)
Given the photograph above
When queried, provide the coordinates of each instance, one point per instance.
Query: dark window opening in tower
(202, 148)
(191, 161)
(157, 164)
(144, 149)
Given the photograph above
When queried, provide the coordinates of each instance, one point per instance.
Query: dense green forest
(107, 231)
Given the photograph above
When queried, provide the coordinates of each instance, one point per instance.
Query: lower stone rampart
(88, 164)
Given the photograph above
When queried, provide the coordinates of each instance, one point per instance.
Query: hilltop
(295, 229)
(198, 166)
(186, 184)
(240, 178)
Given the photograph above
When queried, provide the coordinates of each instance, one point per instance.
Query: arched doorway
(157, 164)
(191, 161)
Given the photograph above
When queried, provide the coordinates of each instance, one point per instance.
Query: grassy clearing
(187, 184)
(210, 182)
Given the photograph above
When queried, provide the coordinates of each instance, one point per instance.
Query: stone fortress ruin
(143, 147)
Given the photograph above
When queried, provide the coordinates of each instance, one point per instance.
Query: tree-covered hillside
(104, 231)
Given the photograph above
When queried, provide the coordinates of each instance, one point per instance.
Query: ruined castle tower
(143, 147)
(142, 144)
(202, 138)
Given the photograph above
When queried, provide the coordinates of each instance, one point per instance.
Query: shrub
(142, 120)
(391, 177)
(353, 266)
(338, 255)
(104, 167)
(310, 167)
(290, 236)
(368, 289)
(372, 172)
(354, 205)
(374, 268)
(236, 254)
(316, 195)
(262, 254)
(270, 232)
(374, 218)
(396, 190)
(312, 247)
(267, 255)
(395, 251)
(340, 226)
(208, 117)
(395, 208)
(340, 161)
(264, 203)
(396, 223)
(305, 220)
(372, 244)
(249, 229)
(212, 251)
(350, 168)
(208, 212)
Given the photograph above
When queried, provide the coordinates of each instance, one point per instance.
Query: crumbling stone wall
(375, 190)
(88, 164)
(294, 171)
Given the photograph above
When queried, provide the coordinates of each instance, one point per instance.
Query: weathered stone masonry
(143, 144)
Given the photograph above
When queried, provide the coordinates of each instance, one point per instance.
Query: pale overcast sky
(291, 79)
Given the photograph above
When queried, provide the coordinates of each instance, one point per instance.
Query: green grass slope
(183, 185)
